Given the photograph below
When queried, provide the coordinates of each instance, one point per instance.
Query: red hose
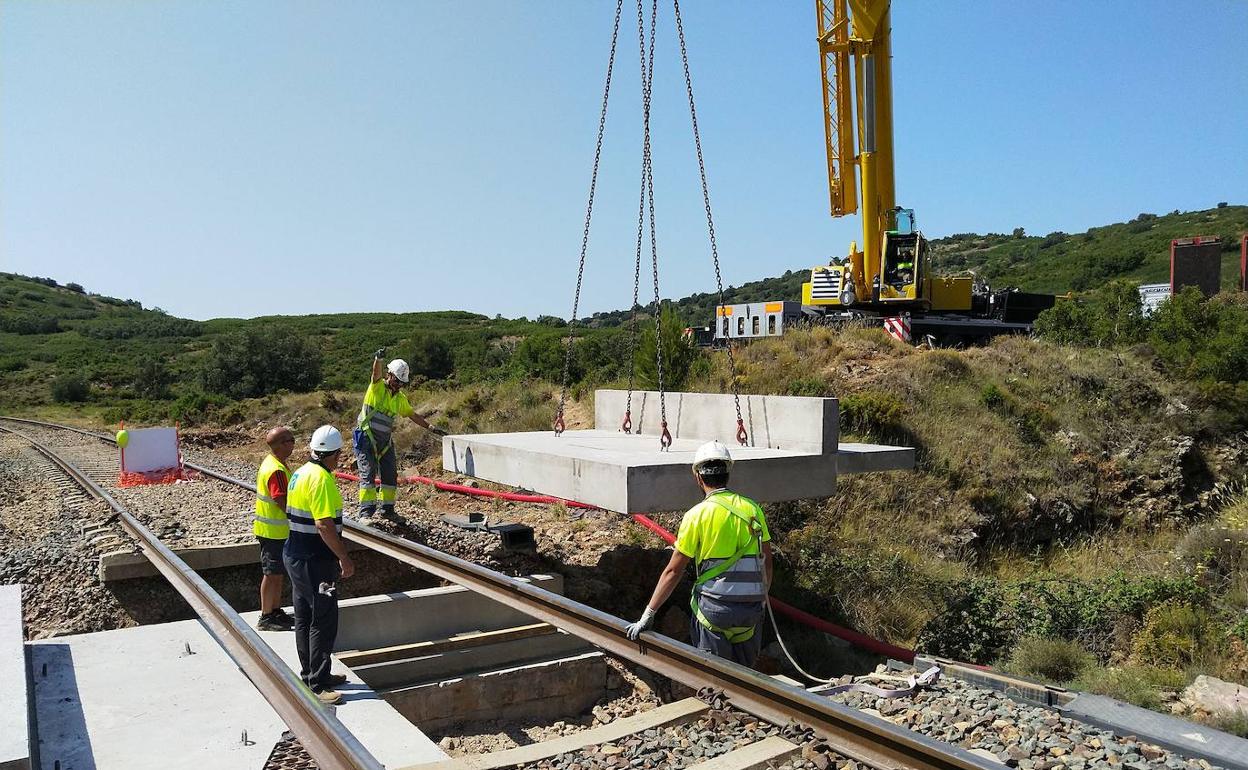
(853, 637)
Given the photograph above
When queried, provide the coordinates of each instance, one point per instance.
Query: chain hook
(665, 438)
(743, 438)
(559, 425)
(627, 426)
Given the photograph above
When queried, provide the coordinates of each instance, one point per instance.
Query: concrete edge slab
(1178, 735)
(756, 756)
(869, 458)
(680, 712)
(16, 736)
(128, 565)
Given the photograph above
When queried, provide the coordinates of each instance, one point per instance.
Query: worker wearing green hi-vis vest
(373, 438)
(726, 538)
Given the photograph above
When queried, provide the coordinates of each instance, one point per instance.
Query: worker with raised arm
(373, 439)
(316, 558)
(726, 538)
(270, 527)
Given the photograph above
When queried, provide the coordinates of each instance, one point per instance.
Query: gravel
(1016, 734)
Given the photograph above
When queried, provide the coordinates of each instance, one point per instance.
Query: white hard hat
(398, 367)
(711, 451)
(325, 439)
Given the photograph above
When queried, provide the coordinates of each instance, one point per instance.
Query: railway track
(325, 738)
(740, 716)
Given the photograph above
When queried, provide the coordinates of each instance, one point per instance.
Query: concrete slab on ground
(628, 473)
(133, 698)
(871, 458)
(15, 713)
(1186, 738)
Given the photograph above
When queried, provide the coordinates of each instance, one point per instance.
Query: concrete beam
(127, 565)
(548, 690)
(439, 666)
(869, 458)
(668, 715)
(370, 622)
(627, 473)
(15, 733)
(797, 423)
(438, 646)
(757, 756)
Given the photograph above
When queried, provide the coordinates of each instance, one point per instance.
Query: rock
(1216, 696)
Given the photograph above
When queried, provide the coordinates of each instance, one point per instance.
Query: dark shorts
(271, 556)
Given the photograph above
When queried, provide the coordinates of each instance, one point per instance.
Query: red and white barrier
(898, 326)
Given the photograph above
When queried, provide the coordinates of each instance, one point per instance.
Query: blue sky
(243, 159)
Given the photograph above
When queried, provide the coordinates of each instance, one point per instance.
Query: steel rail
(847, 731)
(324, 737)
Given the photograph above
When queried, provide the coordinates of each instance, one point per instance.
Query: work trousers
(369, 465)
(729, 615)
(316, 616)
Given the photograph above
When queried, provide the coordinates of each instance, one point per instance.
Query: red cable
(853, 637)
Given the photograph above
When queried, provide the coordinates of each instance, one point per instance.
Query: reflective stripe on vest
(738, 578)
(268, 520)
(312, 488)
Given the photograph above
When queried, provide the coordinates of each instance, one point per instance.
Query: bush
(1138, 685)
(194, 406)
(1051, 660)
(1202, 339)
(76, 288)
(1112, 316)
(249, 363)
(22, 323)
(871, 412)
(1175, 635)
(70, 388)
(679, 354)
(152, 379)
(431, 357)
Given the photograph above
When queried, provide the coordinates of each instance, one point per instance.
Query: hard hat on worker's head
(711, 451)
(398, 367)
(325, 439)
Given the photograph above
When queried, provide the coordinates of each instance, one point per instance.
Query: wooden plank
(756, 756)
(352, 658)
(678, 713)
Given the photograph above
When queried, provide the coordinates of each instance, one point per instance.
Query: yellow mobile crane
(891, 274)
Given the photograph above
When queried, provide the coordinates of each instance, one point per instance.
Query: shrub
(1053, 660)
(871, 412)
(152, 379)
(679, 354)
(1202, 339)
(249, 363)
(1138, 685)
(76, 288)
(194, 406)
(70, 388)
(1174, 635)
(1110, 317)
(431, 357)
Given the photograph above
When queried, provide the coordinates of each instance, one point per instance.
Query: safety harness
(734, 634)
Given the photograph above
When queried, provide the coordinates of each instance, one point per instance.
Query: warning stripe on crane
(898, 326)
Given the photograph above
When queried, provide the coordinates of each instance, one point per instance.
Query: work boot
(285, 616)
(333, 680)
(275, 622)
(328, 697)
(387, 511)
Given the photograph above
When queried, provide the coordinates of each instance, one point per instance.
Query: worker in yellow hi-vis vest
(373, 438)
(271, 528)
(726, 538)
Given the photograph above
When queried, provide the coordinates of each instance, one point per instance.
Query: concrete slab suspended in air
(794, 453)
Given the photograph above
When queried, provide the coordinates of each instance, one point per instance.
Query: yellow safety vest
(269, 519)
(381, 408)
(313, 495)
(736, 578)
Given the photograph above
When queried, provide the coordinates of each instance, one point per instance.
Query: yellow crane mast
(892, 271)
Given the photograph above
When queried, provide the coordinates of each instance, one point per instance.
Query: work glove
(635, 629)
(380, 354)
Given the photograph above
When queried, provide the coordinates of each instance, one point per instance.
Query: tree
(1202, 339)
(431, 357)
(679, 354)
(541, 356)
(70, 388)
(250, 363)
(1119, 316)
(1019, 232)
(153, 378)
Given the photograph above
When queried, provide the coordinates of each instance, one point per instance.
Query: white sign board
(151, 449)
(1152, 295)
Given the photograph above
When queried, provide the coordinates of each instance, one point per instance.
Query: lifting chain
(742, 435)
(647, 162)
(559, 424)
(647, 182)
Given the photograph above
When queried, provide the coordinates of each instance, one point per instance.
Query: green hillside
(1138, 250)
